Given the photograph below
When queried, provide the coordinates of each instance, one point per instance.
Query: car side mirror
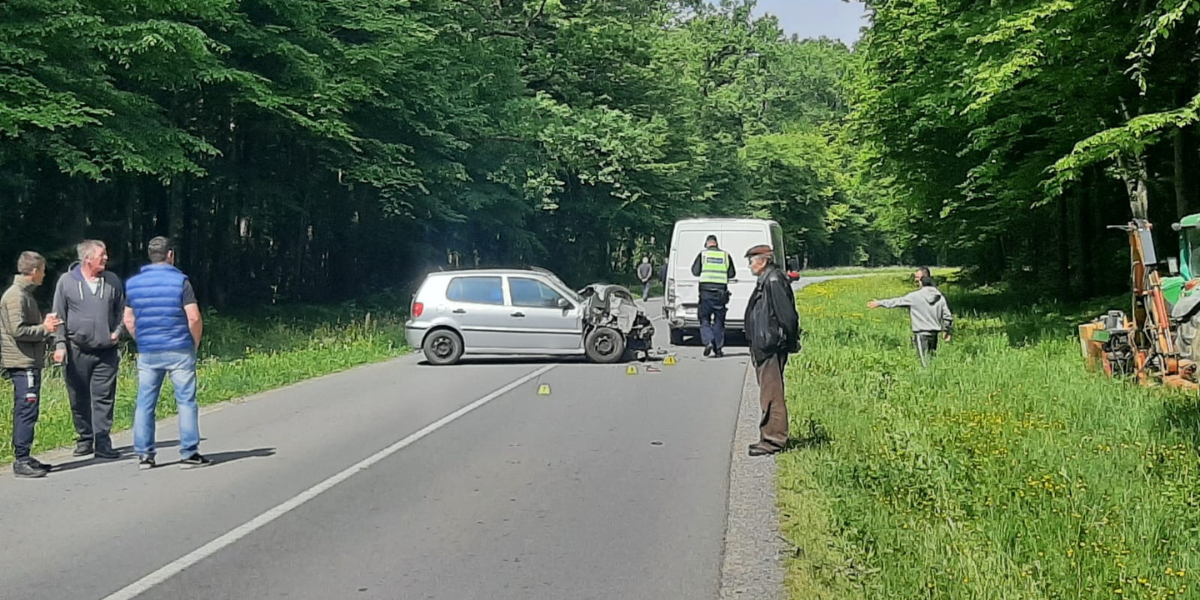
(563, 304)
(1173, 265)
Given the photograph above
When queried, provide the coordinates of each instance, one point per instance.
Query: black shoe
(146, 463)
(37, 464)
(764, 449)
(719, 353)
(84, 448)
(708, 350)
(26, 470)
(194, 461)
(107, 453)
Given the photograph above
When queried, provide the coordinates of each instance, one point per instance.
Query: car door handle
(519, 315)
(459, 311)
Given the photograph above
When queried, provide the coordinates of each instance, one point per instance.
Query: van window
(530, 293)
(476, 290)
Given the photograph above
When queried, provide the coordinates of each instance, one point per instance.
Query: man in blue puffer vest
(162, 315)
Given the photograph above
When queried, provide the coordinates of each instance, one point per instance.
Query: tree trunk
(1180, 179)
(1064, 247)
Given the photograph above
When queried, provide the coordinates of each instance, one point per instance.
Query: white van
(734, 236)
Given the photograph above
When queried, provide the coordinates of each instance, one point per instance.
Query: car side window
(531, 293)
(476, 290)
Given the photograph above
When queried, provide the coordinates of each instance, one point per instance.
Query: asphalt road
(401, 480)
(613, 486)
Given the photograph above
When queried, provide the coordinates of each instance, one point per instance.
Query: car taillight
(417, 309)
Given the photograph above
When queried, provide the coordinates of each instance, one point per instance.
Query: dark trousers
(27, 392)
(773, 426)
(92, 386)
(926, 343)
(712, 319)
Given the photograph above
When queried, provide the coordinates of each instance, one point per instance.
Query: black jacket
(772, 324)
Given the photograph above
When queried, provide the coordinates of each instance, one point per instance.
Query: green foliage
(288, 145)
(1005, 470)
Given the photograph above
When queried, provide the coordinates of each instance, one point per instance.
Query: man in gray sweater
(91, 303)
(928, 311)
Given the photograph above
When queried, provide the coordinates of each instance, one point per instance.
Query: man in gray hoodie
(91, 303)
(928, 311)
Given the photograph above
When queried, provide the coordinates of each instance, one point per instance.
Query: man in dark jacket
(773, 329)
(715, 268)
(23, 336)
(91, 302)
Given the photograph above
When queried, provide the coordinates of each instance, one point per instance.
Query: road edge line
(177, 566)
(751, 561)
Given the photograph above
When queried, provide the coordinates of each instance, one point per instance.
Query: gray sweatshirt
(89, 318)
(927, 308)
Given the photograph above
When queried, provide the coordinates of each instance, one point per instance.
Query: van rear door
(736, 239)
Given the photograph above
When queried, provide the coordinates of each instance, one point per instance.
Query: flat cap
(759, 250)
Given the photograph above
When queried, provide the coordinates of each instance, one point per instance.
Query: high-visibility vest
(715, 267)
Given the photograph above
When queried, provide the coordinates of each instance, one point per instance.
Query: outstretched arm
(901, 302)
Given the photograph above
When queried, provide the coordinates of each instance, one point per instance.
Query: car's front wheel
(605, 345)
(443, 347)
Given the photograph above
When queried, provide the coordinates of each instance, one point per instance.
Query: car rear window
(476, 290)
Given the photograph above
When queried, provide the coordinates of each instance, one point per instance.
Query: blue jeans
(153, 367)
(712, 319)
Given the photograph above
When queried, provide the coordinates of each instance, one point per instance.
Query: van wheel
(677, 337)
(443, 347)
(605, 345)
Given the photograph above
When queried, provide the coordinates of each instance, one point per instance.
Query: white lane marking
(146, 583)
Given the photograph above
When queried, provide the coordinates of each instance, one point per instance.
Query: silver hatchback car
(523, 312)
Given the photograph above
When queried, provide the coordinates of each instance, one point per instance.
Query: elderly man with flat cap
(773, 329)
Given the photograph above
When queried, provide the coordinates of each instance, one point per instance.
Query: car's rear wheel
(443, 347)
(605, 345)
(677, 337)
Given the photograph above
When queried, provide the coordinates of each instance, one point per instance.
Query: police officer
(715, 268)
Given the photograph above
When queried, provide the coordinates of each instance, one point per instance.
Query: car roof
(723, 220)
(493, 272)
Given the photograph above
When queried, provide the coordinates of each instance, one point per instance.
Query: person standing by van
(773, 330)
(645, 274)
(715, 268)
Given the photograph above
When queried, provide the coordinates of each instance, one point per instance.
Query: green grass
(240, 355)
(836, 271)
(1004, 471)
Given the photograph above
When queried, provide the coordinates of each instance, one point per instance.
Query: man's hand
(116, 336)
(873, 304)
(60, 355)
(51, 322)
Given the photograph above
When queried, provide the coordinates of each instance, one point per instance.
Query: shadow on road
(126, 452)
(220, 458)
(511, 361)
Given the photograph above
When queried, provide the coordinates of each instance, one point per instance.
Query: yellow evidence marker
(669, 360)
(544, 390)
(632, 370)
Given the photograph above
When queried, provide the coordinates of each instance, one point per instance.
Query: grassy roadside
(1003, 472)
(240, 355)
(839, 271)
